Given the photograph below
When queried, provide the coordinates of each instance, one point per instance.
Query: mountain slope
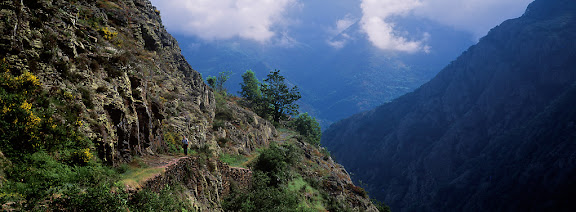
(494, 130)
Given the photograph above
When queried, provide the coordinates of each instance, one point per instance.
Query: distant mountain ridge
(493, 131)
(335, 82)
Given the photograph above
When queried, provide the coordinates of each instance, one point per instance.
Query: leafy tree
(211, 81)
(250, 87)
(217, 82)
(308, 127)
(280, 99)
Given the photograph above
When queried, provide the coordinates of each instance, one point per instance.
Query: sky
(273, 22)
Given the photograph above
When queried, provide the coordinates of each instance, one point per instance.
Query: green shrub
(222, 141)
(233, 160)
(276, 162)
(86, 97)
(170, 198)
(222, 110)
(217, 124)
(382, 207)
(308, 127)
(102, 197)
(262, 197)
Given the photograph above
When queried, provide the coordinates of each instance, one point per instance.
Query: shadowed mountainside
(494, 130)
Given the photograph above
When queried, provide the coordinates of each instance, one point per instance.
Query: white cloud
(380, 30)
(339, 37)
(475, 16)
(344, 23)
(337, 44)
(224, 19)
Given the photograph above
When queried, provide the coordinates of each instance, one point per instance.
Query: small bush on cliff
(308, 127)
(217, 82)
(262, 197)
(382, 207)
(271, 173)
(223, 112)
(276, 162)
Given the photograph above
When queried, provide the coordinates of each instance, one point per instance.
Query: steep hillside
(117, 61)
(90, 88)
(494, 130)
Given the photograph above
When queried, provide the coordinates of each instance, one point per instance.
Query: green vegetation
(250, 87)
(382, 207)
(308, 127)
(234, 160)
(217, 82)
(223, 112)
(250, 90)
(272, 99)
(280, 99)
(271, 173)
(51, 165)
(312, 197)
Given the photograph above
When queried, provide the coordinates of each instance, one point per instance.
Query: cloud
(344, 23)
(475, 16)
(337, 44)
(380, 30)
(338, 36)
(224, 19)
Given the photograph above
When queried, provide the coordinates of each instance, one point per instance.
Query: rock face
(208, 181)
(334, 179)
(132, 84)
(241, 131)
(494, 130)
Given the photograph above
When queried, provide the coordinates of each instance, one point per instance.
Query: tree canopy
(281, 99)
(308, 127)
(217, 82)
(250, 87)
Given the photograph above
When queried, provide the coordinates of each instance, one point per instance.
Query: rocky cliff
(117, 60)
(494, 130)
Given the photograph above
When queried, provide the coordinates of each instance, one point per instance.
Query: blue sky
(274, 22)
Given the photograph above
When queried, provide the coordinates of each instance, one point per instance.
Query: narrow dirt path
(161, 161)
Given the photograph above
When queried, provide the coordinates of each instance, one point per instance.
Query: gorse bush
(27, 120)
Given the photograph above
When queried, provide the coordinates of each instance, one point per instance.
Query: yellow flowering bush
(26, 124)
(82, 156)
(107, 33)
